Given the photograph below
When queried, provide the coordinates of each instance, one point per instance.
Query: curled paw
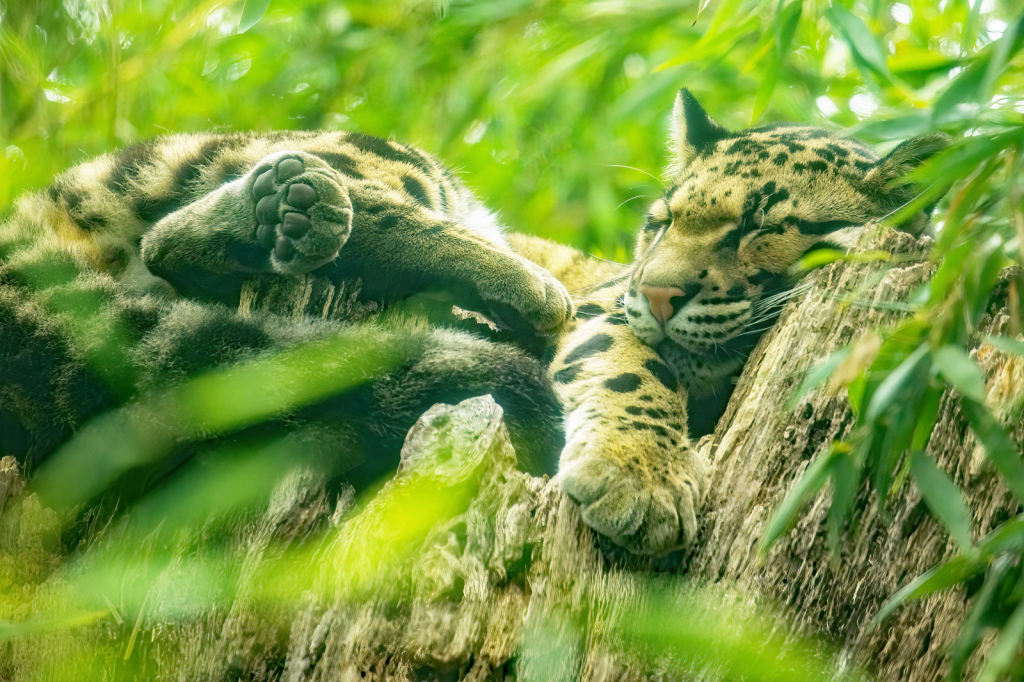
(648, 504)
(303, 214)
(532, 302)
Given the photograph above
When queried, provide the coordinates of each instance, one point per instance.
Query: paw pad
(281, 207)
(303, 213)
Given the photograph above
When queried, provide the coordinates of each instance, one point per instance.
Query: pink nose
(660, 301)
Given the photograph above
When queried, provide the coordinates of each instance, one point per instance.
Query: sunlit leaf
(252, 12)
(858, 37)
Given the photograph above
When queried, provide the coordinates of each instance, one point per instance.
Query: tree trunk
(496, 577)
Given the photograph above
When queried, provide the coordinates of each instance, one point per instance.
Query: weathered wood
(510, 581)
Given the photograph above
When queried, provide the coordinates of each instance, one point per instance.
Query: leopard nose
(663, 301)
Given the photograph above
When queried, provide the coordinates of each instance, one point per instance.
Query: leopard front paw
(304, 215)
(532, 302)
(645, 500)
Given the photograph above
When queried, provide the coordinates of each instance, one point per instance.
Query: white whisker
(638, 170)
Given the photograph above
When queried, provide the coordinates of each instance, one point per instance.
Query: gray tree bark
(498, 578)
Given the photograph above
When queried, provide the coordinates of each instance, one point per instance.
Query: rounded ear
(905, 158)
(693, 132)
(885, 176)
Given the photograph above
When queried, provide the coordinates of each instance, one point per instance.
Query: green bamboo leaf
(942, 497)
(896, 384)
(957, 570)
(1002, 52)
(980, 618)
(897, 128)
(998, 446)
(970, 34)
(1008, 537)
(818, 374)
(700, 8)
(785, 26)
(1004, 650)
(961, 371)
(927, 415)
(252, 12)
(863, 44)
(808, 486)
(1006, 344)
(818, 258)
(960, 99)
(845, 481)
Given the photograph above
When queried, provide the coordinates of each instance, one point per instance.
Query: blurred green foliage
(555, 111)
(544, 104)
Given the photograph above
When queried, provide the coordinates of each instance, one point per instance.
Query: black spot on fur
(417, 190)
(760, 277)
(780, 158)
(775, 198)
(128, 164)
(567, 375)
(634, 410)
(818, 166)
(821, 227)
(150, 209)
(343, 163)
(663, 374)
(588, 309)
(840, 152)
(598, 343)
(826, 154)
(652, 225)
(624, 383)
(390, 150)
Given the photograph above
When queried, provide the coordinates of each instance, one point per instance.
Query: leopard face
(713, 262)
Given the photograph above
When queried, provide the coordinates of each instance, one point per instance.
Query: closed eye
(655, 224)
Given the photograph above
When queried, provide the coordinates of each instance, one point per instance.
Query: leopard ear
(693, 131)
(887, 176)
(905, 158)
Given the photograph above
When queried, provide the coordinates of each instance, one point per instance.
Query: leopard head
(715, 255)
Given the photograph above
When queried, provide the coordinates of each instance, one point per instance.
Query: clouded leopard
(157, 241)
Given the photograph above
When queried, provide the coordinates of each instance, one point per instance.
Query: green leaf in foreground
(961, 371)
(998, 446)
(808, 486)
(252, 12)
(942, 497)
(953, 572)
(1005, 648)
(1006, 344)
(863, 44)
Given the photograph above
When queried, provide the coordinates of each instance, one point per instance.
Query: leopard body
(162, 237)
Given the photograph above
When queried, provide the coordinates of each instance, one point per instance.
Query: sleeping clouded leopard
(157, 228)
